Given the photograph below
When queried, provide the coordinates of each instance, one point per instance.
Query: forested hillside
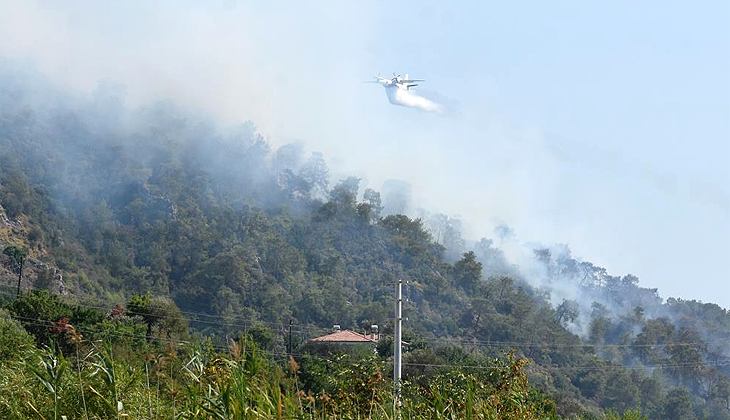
(179, 221)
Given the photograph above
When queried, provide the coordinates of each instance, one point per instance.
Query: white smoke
(411, 99)
(558, 286)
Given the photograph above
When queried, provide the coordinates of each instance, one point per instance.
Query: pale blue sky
(604, 125)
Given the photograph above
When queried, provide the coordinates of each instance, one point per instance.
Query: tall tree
(678, 405)
(468, 271)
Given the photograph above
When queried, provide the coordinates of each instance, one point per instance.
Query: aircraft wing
(412, 80)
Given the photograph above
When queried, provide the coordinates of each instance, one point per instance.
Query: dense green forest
(151, 229)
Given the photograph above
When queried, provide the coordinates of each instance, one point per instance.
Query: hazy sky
(604, 125)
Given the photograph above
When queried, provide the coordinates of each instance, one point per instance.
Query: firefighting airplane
(396, 81)
(397, 89)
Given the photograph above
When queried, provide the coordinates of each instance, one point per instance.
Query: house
(344, 341)
(348, 336)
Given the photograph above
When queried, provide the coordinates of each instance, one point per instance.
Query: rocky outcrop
(36, 272)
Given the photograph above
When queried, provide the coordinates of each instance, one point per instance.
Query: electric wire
(433, 340)
(227, 348)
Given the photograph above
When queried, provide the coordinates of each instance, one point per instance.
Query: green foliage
(163, 318)
(104, 369)
(468, 271)
(678, 405)
(36, 310)
(262, 336)
(39, 311)
(50, 374)
(629, 415)
(188, 224)
(14, 340)
(195, 382)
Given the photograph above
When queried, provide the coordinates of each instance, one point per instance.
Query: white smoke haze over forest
(637, 182)
(105, 116)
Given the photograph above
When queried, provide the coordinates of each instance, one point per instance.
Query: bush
(14, 339)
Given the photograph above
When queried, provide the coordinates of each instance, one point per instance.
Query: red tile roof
(345, 336)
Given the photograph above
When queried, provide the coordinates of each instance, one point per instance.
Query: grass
(199, 383)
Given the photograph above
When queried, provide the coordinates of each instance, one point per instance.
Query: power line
(245, 325)
(226, 348)
(497, 343)
(433, 340)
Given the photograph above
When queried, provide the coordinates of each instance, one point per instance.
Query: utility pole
(20, 275)
(289, 347)
(397, 343)
(17, 255)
